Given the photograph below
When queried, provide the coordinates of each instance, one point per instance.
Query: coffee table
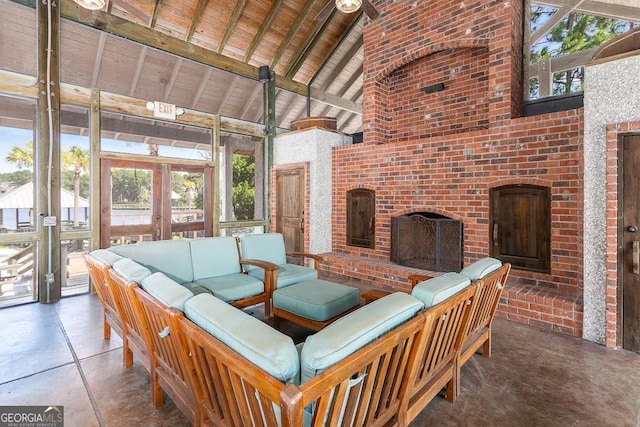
(314, 303)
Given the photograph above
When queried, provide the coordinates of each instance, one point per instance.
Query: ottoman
(314, 303)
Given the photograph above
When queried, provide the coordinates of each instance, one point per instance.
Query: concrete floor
(55, 355)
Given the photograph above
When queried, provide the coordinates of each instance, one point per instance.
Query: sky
(10, 137)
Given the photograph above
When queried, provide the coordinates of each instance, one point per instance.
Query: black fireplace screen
(427, 241)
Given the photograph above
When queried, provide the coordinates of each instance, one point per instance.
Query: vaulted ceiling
(238, 36)
(205, 54)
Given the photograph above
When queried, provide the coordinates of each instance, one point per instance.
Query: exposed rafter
(231, 24)
(197, 17)
(553, 20)
(598, 8)
(266, 24)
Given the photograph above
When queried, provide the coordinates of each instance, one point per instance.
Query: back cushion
(481, 268)
(165, 290)
(265, 247)
(105, 256)
(131, 270)
(172, 257)
(214, 256)
(438, 289)
(270, 350)
(353, 331)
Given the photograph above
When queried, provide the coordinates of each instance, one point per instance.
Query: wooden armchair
(436, 362)
(366, 388)
(98, 274)
(135, 332)
(478, 330)
(234, 392)
(173, 364)
(369, 387)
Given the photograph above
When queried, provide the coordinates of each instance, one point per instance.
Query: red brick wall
(462, 106)
(418, 165)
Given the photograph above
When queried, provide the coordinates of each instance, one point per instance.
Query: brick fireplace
(442, 150)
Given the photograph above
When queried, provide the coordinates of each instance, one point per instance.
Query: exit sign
(162, 110)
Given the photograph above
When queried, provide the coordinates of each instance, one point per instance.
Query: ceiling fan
(348, 6)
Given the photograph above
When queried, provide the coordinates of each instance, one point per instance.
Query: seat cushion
(355, 330)
(131, 270)
(165, 290)
(270, 350)
(264, 247)
(105, 256)
(172, 257)
(214, 256)
(232, 286)
(316, 299)
(480, 268)
(438, 289)
(288, 274)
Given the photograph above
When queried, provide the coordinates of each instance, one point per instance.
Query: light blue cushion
(172, 257)
(438, 289)
(105, 256)
(131, 270)
(270, 350)
(233, 286)
(288, 274)
(355, 330)
(165, 290)
(196, 289)
(316, 299)
(214, 256)
(480, 268)
(264, 247)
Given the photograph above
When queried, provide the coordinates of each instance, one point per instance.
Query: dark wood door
(629, 257)
(290, 208)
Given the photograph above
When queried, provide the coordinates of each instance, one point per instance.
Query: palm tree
(77, 160)
(21, 157)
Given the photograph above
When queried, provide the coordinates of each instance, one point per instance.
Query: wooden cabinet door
(520, 226)
(290, 208)
(629, 245)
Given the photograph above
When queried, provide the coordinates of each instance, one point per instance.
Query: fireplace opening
(428, 241)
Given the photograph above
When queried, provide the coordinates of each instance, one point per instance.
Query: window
(561, 41)
(361, 218)
(520, 231)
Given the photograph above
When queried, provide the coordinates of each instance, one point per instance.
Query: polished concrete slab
(55, 354)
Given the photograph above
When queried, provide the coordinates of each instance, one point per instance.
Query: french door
(143, 200)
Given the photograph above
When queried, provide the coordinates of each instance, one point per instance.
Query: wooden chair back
(98, 274)
(234, 391)
(174, 367)
(439, 350)
(368, 387)
(131, 317)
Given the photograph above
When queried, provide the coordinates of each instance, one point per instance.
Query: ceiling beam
(598, 8)
(198, 13)
(338, 69)
(201, 87)
(231, 24)
(355, 20)
(138, 72)
(172, 80)
(266, 24)
(97, 63)
(293, 31)
(173, 45)
(312, 39)
(553, 20)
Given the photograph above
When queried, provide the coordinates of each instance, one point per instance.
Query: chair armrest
(373, 294)
(414, 279)
(265, 265)
(316, 258)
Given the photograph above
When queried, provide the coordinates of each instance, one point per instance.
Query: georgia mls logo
(31, 416)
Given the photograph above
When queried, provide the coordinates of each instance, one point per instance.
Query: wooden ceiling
(205, 54)
(238, 36)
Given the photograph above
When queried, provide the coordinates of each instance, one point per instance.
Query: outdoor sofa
(380, 364)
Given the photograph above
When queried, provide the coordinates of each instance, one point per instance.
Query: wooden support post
(48, 150)
(270, 128)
